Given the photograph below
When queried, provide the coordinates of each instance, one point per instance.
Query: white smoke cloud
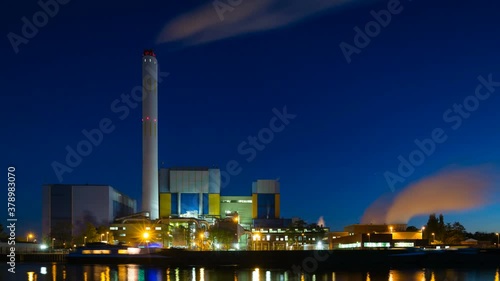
(207, 24)
(321, 221)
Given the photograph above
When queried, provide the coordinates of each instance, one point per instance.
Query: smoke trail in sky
(207, 23)
(456, 190)
(321, 221)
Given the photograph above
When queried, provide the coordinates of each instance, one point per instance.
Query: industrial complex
(182, 207)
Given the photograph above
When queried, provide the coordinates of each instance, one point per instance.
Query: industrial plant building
(69, 206)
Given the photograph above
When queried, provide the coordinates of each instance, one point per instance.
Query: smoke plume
(456, 190)
(222, 19)
(321, 221)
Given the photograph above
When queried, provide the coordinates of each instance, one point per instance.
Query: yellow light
(145, 235)
(202, 236)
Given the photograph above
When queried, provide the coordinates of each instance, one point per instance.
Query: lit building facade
(189, 192)
(67, 208)
(266, 199)
(240, 206)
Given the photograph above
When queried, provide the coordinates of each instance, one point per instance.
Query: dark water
(129, 272)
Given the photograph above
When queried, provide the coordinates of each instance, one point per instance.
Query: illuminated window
(113, 228)
(149, 60)
(122, 251)
(148, 228)
(157, 228)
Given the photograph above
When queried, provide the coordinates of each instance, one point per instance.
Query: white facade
(266, 187)
(150, 134)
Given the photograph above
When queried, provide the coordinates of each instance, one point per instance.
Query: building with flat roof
(266, 199)
(66, 208)
(240, 206)
(189, 192)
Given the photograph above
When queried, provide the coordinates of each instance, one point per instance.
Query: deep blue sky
(353, 120)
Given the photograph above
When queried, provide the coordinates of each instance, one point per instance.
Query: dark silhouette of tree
(431, 227)
(454, 233)
(62, 232)
(411, 228)
(440, 232)
(3, 234)
(222, 236)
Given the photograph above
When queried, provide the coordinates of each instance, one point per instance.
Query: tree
(63, 233)
(454, 233)
(3, 235)
(411, 228)
(223, 237)
(432, 226)
(90, 232)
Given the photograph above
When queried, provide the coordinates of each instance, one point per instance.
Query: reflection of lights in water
(314, 277)
(108, 273)
(43, 270)
(193, 274)
(132, 272)
(54, 272)
(235, 277)
(391, 278)
(497, 275)
(168, 274)
(333, 276)
(85, 276)
(177, 275)
(432, 277)
(31, 275)
(286, 276)
(103, 276)
(64, 274)
(255, 275)
(122, 272)
(368, 276)
(202, 274)
(302, 277)
(268, 275)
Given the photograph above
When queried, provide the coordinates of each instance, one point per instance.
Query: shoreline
(308, 259)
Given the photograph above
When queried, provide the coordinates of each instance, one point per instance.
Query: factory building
(66, 208)
(266, 199)
(189, 192)
(239, 207)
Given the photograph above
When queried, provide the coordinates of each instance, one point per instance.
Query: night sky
(352, 120)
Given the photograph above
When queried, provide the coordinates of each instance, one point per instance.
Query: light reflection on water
(130, 272)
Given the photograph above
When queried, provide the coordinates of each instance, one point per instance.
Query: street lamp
(498, 238)
(84, 240)
(433, 237)
(391, 228)
(369, 238)
(107, 236)
(29, 237)
(423, 229)
(102, 234)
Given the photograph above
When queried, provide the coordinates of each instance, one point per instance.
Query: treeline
(437, 230)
